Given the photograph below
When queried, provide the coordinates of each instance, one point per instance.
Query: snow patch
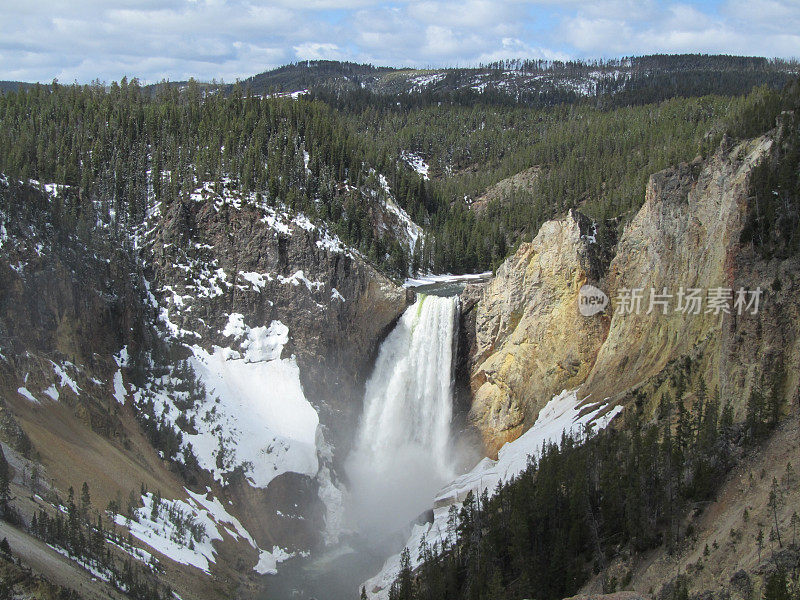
(413, 282)
(268, 561)
(278, 433)
(559, 416)
(416, 162)
(64, 378)
(299, 277)
(23, 391)
(184, 531)
(420, 82)
(257, 280)
(96, 570)
(260, 343)
(119, 387)
(176, 529)
(121, 358)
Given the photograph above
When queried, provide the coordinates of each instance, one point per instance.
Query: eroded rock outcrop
(531, 341)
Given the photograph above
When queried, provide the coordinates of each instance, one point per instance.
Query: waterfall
(402, 453)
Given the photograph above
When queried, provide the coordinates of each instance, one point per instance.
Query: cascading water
(402, 451)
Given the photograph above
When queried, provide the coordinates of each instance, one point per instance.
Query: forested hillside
(115, 149)
(597, 160)
(621, 82)
(318, 154)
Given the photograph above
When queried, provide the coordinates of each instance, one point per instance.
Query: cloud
(154, 39)
(318, 51)
(515, 48)
(738, 28)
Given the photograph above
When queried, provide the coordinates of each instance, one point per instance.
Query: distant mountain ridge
(627, 80)
(632, 79)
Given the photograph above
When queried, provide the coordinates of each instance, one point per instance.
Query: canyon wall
(531, 341)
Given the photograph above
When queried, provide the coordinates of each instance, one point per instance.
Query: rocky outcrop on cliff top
(531, 341)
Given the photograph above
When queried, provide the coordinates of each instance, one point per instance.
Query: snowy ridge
(413, 282)
(185, 531)
(562, 415)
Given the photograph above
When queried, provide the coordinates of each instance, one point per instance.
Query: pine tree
(405, 583)
(774, 504)
(86, 501)
(5, 486)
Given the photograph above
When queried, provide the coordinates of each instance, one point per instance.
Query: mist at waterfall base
(402, 453)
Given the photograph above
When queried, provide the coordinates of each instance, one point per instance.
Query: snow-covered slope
(253, 416)
(395, 220)
(185, 531)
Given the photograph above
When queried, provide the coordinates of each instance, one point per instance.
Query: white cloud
(515, 48)
(155, 39)
(740, 28)
(318, 51)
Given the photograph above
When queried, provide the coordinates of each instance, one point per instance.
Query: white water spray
(402, 453)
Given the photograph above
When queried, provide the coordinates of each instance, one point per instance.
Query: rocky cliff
(531, 341)
(213, 257)
(221, 349)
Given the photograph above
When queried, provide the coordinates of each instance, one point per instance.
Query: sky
(86, 40)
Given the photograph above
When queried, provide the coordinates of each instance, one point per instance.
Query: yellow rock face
(531, 341)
